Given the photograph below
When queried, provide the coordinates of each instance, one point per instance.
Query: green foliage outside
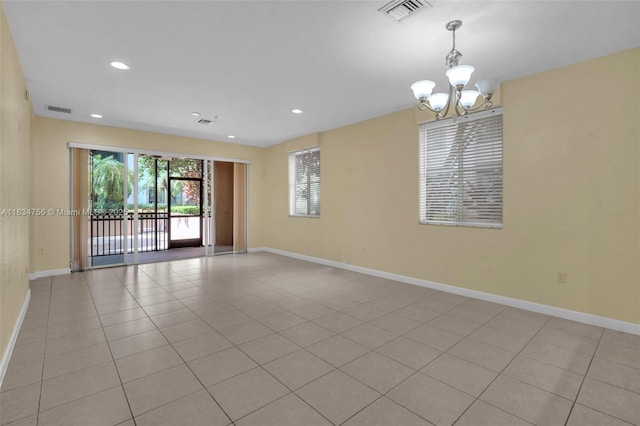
(107, 174)
(149, 208)
(179, 167)
(162, 208)
(195, 210)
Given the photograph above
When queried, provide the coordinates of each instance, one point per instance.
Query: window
(304, 182)
(461, 171)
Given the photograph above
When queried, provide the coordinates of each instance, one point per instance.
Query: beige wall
(571, 196)
(15, 115)
(571, 193)
(50, 177)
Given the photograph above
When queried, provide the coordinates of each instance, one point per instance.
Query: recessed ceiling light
(96, 115)
(120, 65)
(296, 111)
(231, 137)
(195, 113)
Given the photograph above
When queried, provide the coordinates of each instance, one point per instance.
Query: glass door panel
(185, 212)
(152, 205)
(108, 230)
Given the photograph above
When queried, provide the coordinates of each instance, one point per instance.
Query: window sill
(464, 225)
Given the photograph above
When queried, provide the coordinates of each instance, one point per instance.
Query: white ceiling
(251, 62)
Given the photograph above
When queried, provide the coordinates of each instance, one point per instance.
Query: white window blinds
(304, 182)
(461, 171)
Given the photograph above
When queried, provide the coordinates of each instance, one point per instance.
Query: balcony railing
(107, 233)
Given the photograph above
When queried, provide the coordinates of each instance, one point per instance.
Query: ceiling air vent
(58, 109)
(204, 121)
(401, 9)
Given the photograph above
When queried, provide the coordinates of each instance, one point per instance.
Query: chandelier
(458, 75)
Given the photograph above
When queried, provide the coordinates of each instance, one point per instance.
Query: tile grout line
(126, 397)
(542, 327)
(156, 328)
(370, 351)
(44, 352)
(584, 376)
(416, 370)
(575, 401)
(291, 391)
(524, 355)
(382, 395)
(257, 366)
(612, 385)
(190, 369)
(617, 362)
(137, 334)
(499, 374)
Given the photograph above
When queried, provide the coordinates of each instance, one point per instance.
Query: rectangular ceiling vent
(402, 9)
(58, 109)
(204, 121)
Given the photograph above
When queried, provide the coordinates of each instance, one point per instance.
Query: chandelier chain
(453, 57)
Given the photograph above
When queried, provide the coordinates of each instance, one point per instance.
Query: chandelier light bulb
(487, 86)
(468, 98)
(437, 101)
(422, 89)
(460, 75)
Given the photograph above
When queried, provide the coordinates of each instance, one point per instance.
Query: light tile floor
(261, 340)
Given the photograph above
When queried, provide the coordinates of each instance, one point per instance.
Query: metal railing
(107, 233)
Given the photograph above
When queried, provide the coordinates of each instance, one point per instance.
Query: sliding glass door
(144, 208)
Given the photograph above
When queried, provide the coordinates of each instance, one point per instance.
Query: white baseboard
(613, 324)
(14, 336)
(49, 273)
